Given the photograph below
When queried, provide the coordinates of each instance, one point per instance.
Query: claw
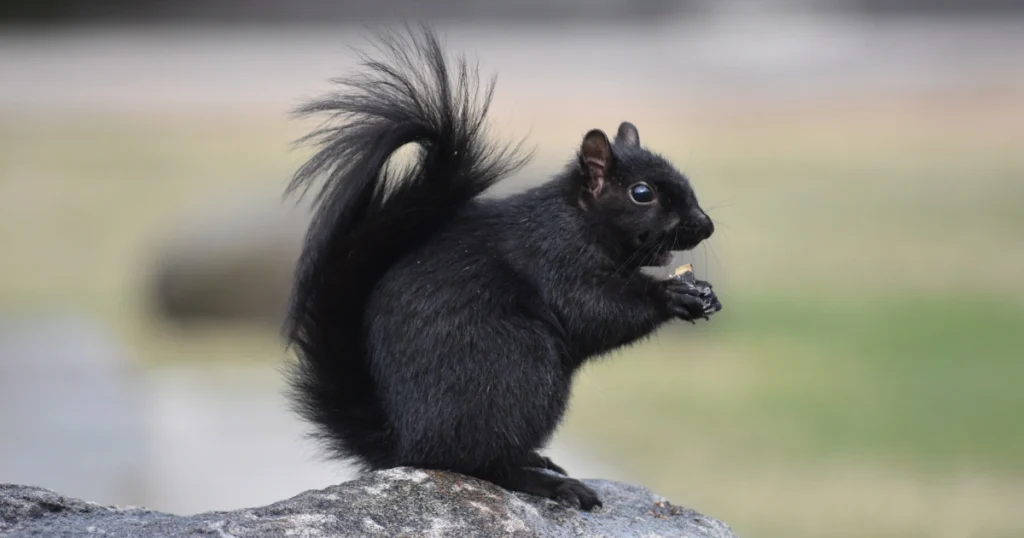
(690, 299)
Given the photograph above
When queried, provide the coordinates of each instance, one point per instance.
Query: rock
(396, 502)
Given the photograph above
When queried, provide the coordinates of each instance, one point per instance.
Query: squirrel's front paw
(708, 297)
(690, 301)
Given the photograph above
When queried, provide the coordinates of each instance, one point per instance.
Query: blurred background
(864, 160)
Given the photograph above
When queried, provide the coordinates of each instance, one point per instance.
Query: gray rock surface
(397, 502)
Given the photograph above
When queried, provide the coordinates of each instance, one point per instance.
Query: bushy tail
(368, 213)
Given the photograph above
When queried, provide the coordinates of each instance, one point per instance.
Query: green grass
(921, 381)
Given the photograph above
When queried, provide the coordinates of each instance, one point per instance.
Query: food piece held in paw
(708, 298)
(684, 272)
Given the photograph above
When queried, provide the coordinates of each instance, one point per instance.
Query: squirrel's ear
(627, 135)
(596, 155)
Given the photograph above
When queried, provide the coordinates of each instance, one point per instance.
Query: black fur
(438, 329)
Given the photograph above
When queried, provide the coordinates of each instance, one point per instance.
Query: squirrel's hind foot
(566, 490)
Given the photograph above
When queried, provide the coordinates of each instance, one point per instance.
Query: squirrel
(438, 328)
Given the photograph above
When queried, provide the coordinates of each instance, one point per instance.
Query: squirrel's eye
(641, 193)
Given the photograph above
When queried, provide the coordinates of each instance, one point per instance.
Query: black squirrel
(441, 329)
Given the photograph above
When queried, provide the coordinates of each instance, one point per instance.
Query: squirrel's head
(640, 195)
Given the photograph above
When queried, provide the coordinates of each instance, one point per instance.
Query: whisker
(629, 259)
(641, 254)
(646, 249)
(713, 253)
(705, 244)
(717, 222)
(722, 224)
(718, 206)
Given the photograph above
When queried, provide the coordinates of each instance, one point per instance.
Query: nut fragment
(684, 272)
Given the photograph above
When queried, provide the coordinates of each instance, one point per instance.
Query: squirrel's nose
(701, 225)
(707, 226)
